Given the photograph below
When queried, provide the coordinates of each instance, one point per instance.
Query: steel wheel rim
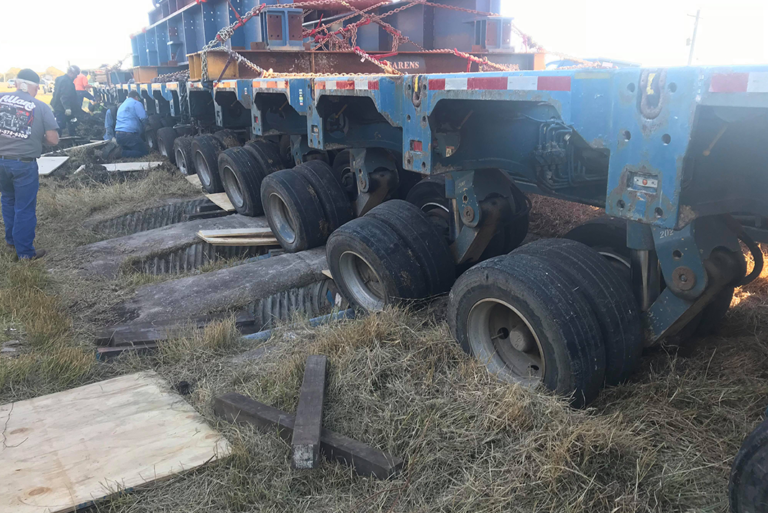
(181, 162)
(282, 218)
(362, 281)
(503, 339)
(202, 168)
(232, 186)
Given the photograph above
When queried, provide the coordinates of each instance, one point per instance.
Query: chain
(382, 64)
(348, 38)
(177, 76)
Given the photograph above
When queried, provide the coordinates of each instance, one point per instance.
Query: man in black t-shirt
(24, 124)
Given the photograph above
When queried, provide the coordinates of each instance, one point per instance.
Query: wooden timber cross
(309, 415)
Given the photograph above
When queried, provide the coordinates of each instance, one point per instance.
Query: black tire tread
(165, 139)
(609, 295)
(209, 147)
(250, 176)
(429, 247)
(301, 199)
(336, 206)
(568, 324)
(385, 250)
(185, 145)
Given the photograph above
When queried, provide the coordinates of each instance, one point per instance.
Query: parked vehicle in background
(12, 82)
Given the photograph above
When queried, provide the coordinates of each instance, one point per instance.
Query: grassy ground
(663, 442)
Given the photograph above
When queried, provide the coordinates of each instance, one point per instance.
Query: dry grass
(50, 358)
(662, 443)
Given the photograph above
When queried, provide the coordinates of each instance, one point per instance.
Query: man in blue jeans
(24, 124)
(131, 118)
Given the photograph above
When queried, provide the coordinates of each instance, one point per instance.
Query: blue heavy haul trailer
(416, 185)
(416, 182)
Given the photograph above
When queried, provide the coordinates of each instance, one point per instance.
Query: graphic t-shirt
(23, 123)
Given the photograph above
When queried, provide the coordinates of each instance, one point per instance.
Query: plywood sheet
(240, 241)
(63, 451)
(236, 232)
(47, 165)
(222, 200)
(194, 180)
(124, 167)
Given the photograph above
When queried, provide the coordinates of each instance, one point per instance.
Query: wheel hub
(232, 186)
(282, 218)
(362, 281)
(202, 167)
(503, 340)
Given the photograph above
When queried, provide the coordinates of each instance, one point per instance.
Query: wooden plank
(125, 167)
(241, 241)
(364, 459)
(222, 200)
(66, 450)
(106, 353)
(95, 144)
(47, 165)
(309, 414)
(147, 332)
(235, 232)
(208, 214)
(194, 180)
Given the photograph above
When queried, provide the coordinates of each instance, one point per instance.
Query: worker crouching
(131, 118)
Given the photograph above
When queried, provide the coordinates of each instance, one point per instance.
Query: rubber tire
(342, 162)
(427, 244)
(207, 149)
(150, 135)
(249, 176)
(165, 139)
(185, 130)
(310, 227)
(561, 318)
(227, 138)
(336, 206)
(508, 236)
(167, 121)
(609, 235)
(267, 154)
(385, 251)
(747, 490)
(182, 148)
(155, 122)
(604, 234)
(609, 295)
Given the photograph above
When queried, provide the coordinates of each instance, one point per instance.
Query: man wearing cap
(25, 123)
(65, 102)
(131, 118)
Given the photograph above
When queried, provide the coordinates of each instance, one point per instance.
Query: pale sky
(651, 32)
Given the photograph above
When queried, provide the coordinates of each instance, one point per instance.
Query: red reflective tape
(554, 84)
(416, 145)
(319, 85)
(345, 84)
(437, 84)
(729, 83)
(373, 85)
(496, 83)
